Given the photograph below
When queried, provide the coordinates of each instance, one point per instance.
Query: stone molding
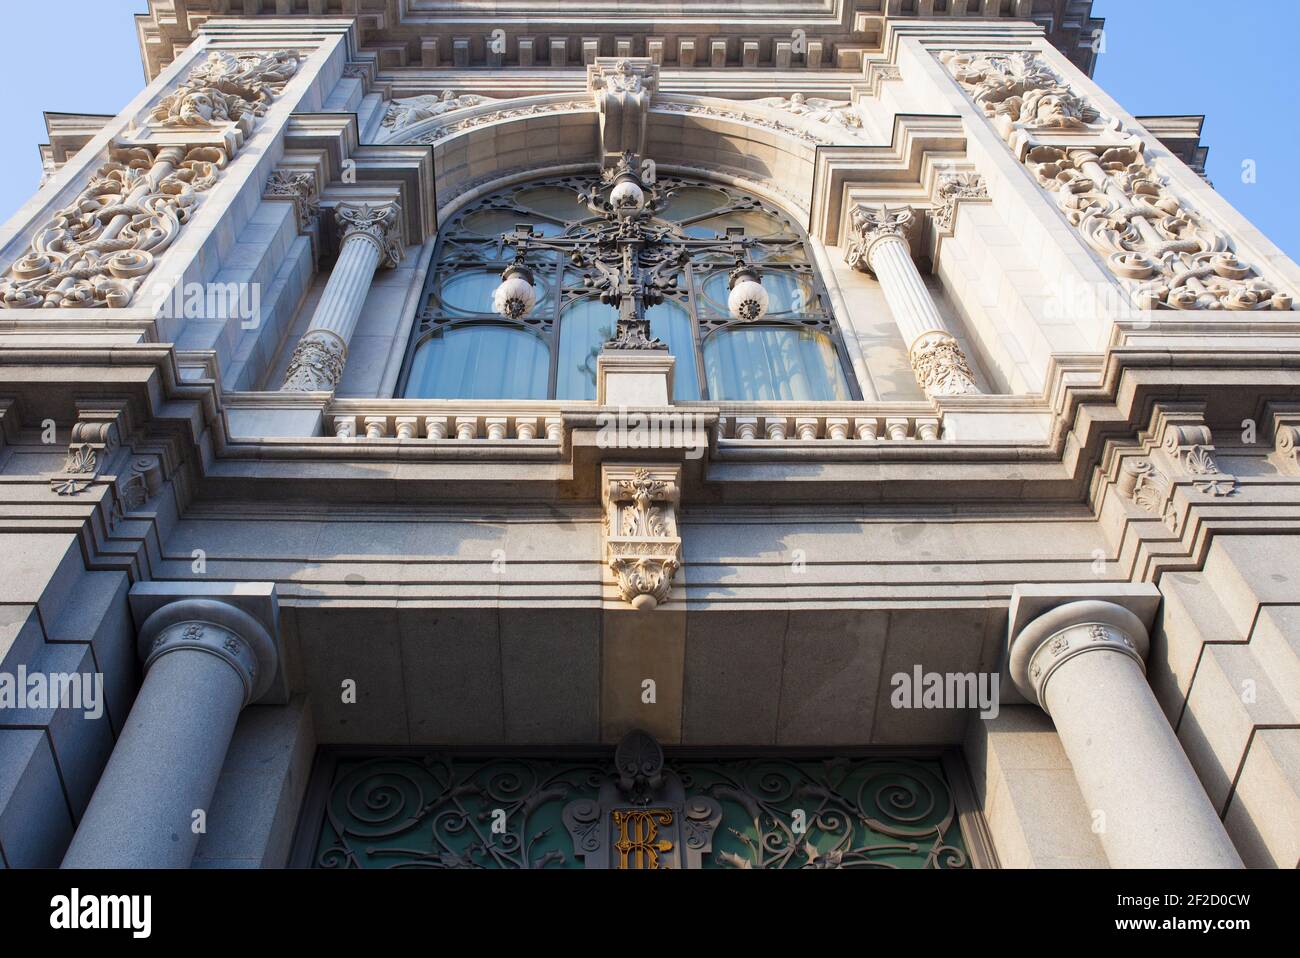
(1056, 636)
(215, 628)
(642, 547)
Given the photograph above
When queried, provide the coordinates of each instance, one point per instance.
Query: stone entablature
(799, 35)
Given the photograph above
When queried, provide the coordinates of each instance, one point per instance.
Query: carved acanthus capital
(642, 546)
(940, 365)
(623, 88)
(1186, 441)
(869, 226)
(380, 224)
(952, 188)
(298, 187)
(317, 362)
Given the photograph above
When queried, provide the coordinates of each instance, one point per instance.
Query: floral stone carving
(96, 251)
(641, 542)
(1162, 250)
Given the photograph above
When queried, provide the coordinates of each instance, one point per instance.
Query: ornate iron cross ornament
(632, 260)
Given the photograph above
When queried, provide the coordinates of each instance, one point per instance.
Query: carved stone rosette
(1165, 253)
(317, 362)
(379, 224)
(940, 366)
(642, 547)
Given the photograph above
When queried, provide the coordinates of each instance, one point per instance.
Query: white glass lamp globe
(626, 197)
(515, 297)
(747, 299)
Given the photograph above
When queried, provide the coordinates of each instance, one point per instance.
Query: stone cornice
(404, 33)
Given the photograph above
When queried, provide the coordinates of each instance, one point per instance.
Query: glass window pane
(480, 362)
(495, 222)
(754, 223)
(669, 322)
(557, 201)
(584, 328)
(763, 363)
(687, 201)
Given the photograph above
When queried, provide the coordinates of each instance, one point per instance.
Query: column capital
(216, 628)
(870, 225)
(377, 223)
(1055, 637)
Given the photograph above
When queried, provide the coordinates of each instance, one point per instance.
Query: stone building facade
(625, 437)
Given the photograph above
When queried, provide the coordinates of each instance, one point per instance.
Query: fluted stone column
(370, 237)
(879, 244)
(204, 660)
(1084, 664)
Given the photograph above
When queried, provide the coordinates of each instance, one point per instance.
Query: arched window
(462, 349)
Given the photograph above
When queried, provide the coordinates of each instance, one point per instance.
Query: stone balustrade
(456, 425)
(833, 426)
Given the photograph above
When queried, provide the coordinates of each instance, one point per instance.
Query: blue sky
(1231, 62)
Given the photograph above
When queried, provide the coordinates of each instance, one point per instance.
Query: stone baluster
(879, 244)
(371, 236)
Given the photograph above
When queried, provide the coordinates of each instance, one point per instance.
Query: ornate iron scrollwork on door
(639, 811)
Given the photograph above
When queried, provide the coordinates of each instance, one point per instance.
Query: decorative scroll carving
(953, 188)
(623, 88)
(1166, 254)
(317, 362)
(1162, 250)
(380, 225)
(227, 88)
(831, 112)
(1144, 484)
(940, 366)
(96, 251)
(1186, 440)
(298, 187)
(868, 225)
(408, 111)
(642, 546)
(1286, 439)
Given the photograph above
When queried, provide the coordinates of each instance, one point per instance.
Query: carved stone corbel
(1286, 440)
(1186, 440)
(623, 88)
(1142, 483)
(642, 546)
